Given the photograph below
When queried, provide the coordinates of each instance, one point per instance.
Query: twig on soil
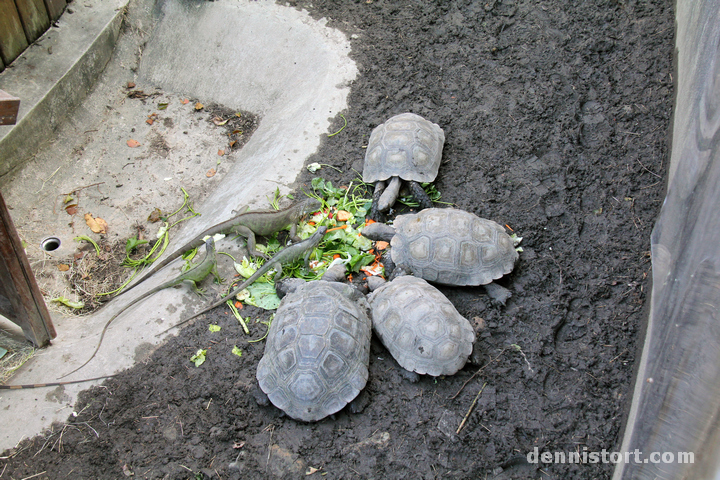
(560, 282)
(650, 186)
(476, 373)
(270, 427)
(519, 349)
(36, 475)
(647, 169)
(91, 428)
(618, 356)
(48, 179)
(73, 192)
(472, 406)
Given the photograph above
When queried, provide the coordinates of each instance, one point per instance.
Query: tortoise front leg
(497, 293)
(390, 194)
(379, 189)
(420, 195)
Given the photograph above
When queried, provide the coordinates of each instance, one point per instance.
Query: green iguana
(192, 277)
(246, 224)
(286, 255)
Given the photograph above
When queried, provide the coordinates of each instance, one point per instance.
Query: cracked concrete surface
(260, 57)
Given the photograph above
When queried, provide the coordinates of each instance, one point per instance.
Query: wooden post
(20, 298)
(9, 107)
(23, 303)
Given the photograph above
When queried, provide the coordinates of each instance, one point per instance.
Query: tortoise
(420, 327)
(449, 247)
(406, 147)
(317, 351)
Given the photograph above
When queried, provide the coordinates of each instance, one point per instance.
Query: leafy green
(268, 323)
(360, 260)
(199, 357)
(69, 303)
(239, 317)
(263, 295)
(246, 268)
(90, 240)
(237, 351)
(163, 239)
(275, 202)
(430, 189)
(214, 328)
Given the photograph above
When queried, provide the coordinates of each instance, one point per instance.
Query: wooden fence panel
(34, 17)
(12, 35)
(55, 8)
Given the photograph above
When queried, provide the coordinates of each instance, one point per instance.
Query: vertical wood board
(55, 8)
(19, 284)
(12, 35)
(34, 18)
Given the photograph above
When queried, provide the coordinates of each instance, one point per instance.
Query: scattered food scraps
(133, 143)
(374, 269)
(199, 357)
(343, 215)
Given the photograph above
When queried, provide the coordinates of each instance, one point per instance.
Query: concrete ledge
(55, 74)
(252, 55)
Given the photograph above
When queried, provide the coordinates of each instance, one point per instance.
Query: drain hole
(50, 244)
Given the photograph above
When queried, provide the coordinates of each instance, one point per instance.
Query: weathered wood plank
(19, 285)
(12, 35)
(55, 8)
(34, 17)
(9, 107)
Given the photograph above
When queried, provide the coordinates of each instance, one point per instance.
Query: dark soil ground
(556, 115)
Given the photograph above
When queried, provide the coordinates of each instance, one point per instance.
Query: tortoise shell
(420, 327)
(406, 146)
(317, 350)
(452, 247)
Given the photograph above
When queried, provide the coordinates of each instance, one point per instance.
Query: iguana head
(210, 244)
(309, 205)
